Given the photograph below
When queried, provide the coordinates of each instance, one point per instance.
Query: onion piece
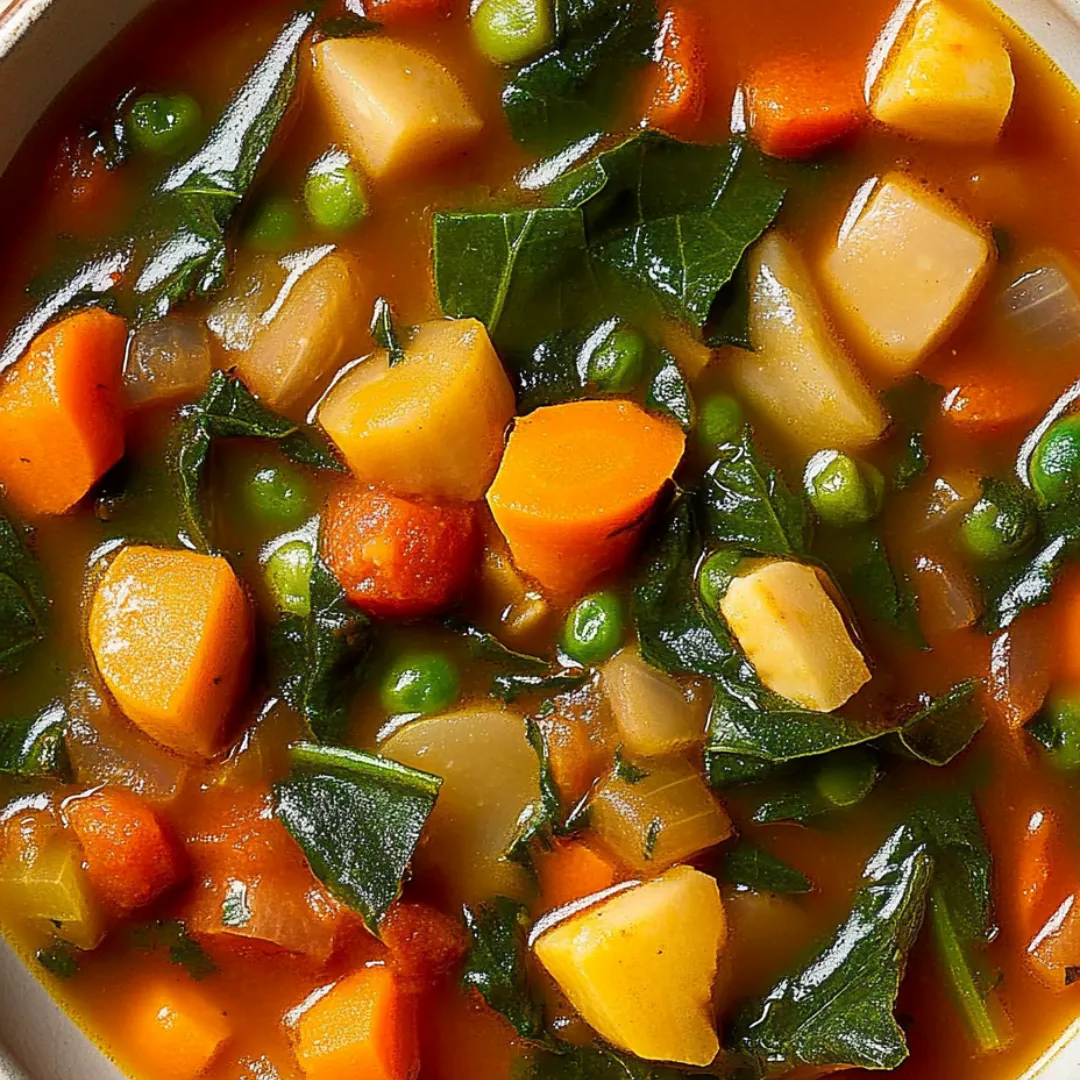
(168, 359)
(947, 598)
(1041, 308)
(1020, 670)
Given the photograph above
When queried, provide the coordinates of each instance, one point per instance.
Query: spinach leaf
(910, 404)
(36, 748)
(227, 409)
(838, 1010)
(542, 817)
(495, 965)
(60, 959)
(746, 866)
(24, 604)
(595, 1062)
(348, 25)
(183, 949)
(668, 392)
(733, 770)
(383, 332)
(729, 319)
(357, 817)
(508, 686)
(944, 726)
(554, 371)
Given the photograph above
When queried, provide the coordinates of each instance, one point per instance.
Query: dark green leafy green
(182, 948)
(747, 866)
(596, 1062)
(734, 770)
(383, 331)
(944, 726)
(357, 817)
(624, 770)
(509, 686)
(729, 319)
(24, 603)
(910, 404)
(668, 392)
(60, 959)
(36, 747)
(345, 26)
(542, 817)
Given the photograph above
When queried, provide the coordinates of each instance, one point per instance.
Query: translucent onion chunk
(1041, 307)
(168, 359)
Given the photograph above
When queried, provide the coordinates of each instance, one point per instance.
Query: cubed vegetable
(171, 634)
(168, 359)
(640, 966)
(571, 870)
(394, 106)
(677, 83)
(61, 413)
(652, 813)
(948, 78)
(431, 425)
(798, 374)
(1055, 948)
(425, 945)
(581, 739)
(794, 635)
(906, 268)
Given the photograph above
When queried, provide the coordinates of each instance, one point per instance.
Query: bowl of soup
(539, 539)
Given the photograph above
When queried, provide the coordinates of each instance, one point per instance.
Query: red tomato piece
(424, 943)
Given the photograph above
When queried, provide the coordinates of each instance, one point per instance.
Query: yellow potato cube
(798, 374)
(639, 967)
(395, 106)
(431, 425)
(948, 78)
(904, 271)
(793, 634)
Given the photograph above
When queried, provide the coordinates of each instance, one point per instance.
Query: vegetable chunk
(793, 634)
(171, 634)
(640, 966)
(904, 272)
(575, 486)
(949, 79)
(61, 413)
(430, 425)
(395, 106)
(798, 373)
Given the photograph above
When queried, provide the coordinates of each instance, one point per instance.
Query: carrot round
(676, 86)
(61, 425)
(570, 871)
(171, 634)
(575, 485)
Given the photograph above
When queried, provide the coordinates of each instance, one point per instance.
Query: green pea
(618, 363)
(275, 225)
(1057, 727)
(720, 419)
(288, 577)
(1000, 524)
(715, 576)
(420, 682)
(846, 777)
(512, 31)
(594, 628)
(843, 491)
(1055, 464)
(335, 197)
(164, 123)
(279, 494)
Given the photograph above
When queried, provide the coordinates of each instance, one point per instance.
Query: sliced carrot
(677, 82)
(399, 557)
(174, 1030)
(393, 12)
(61, 423)
(570, 871)
(365, 1026)
(424, 943)
(985, 399)
(575, 486)
(799, 105)
(171, 633)
(131, 855)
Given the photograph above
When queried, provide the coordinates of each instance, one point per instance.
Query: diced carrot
(365, 1026)
(799, 105)
(575, 486)
(570, 871)
(1066, 608)
(396, 557)
(676, 86)
(988, 398)
(393, 12)
(171, 633)
(131, 855)
(424, 943)
(61, 423)
(174, 1030)
(576, 730)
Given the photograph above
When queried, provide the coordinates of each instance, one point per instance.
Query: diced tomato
(424, 943)
(985, 399)
(677, 83)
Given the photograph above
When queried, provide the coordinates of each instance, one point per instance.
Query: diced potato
(168, 359)
(793, 634)
(904, 271)
(395, 106)
(798, 373)
(948, 78)
(640, 966)
(431, 425)
(491, 775)
(654, 714)
(665, 814)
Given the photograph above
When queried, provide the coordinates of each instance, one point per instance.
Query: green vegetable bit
(288, 577)
(279, 494)
(844, 492)
(720, 418)
(512, 31)
(1000, 524)
(275, 225)
(334, 196)
(846, 777)
(420, 683)
(1055, 464)
(715, 576)
(594, 629)
(618, 362)
(1058, 729)
(164, 123)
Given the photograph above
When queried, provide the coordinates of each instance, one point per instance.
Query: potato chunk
(905, 271)
(798, 373)
(793, 634)
(948, 79)
(639, 967)
(394, 105)
(431, 425)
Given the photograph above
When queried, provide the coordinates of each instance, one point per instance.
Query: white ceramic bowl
(43, 43)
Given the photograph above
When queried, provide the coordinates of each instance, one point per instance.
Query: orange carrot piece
(984, 399)
(393, 12)
(799, 105)
(424, 943)
(174, 1030)
(1066, 608)
(575, 486)
(365, 1026)
(131, 855)
(676, 87)
(61, 423)
(171, 633)
(1031, 875)
(570, 871)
